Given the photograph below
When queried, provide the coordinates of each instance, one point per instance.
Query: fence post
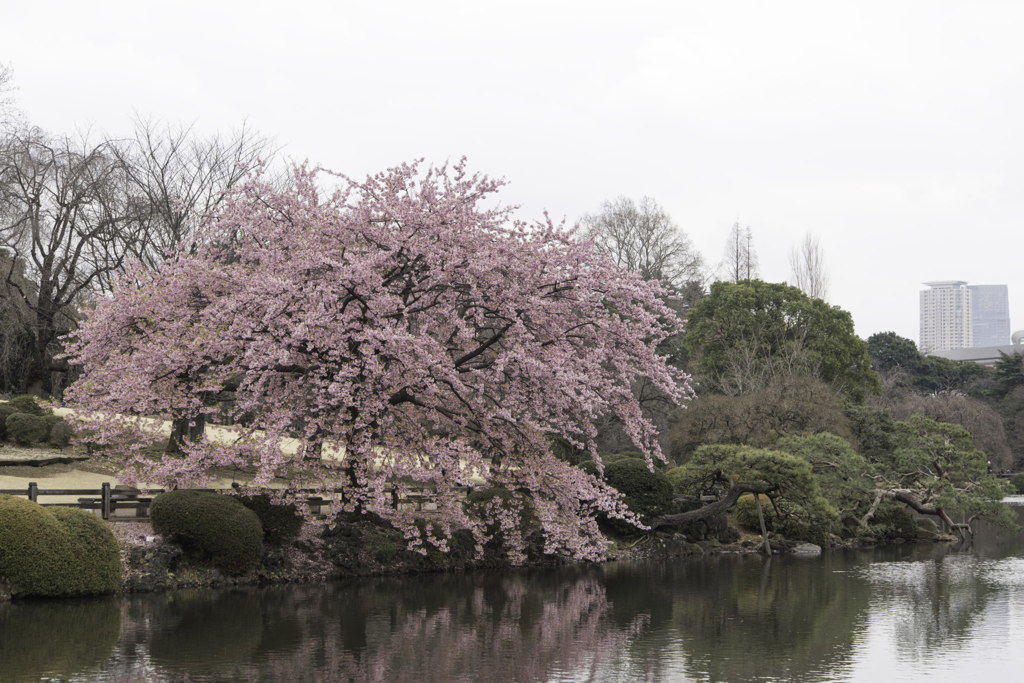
(106, 500)
(33, 491)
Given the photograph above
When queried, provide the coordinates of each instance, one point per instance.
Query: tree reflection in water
(720, 618)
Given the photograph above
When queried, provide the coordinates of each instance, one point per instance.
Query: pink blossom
(398, 320)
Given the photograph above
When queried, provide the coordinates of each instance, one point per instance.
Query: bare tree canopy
(181, 178)
(8, 113)
(64, 222)
(740, 260)
(808, 264)
(73, 212)
(642, 237)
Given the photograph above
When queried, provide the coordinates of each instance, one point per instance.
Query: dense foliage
(744, 334)
(55, 552)
(25, 422)
(785, 406)
(281, 521)
(24, 429)
(28, 404)
(213, 529)
(647, 493)
(398, 322)
(800, 508)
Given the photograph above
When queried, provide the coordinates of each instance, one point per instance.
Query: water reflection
(57, 639)
(853, 616)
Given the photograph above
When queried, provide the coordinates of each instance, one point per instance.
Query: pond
(905, 613)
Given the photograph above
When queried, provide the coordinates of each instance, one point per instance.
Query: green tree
(742, 335)
(888, 350)
(1008, 396)
(936, 470)
(981, 420)
(729, 471)
(1009, 374)
(842, 473)
(873, 429)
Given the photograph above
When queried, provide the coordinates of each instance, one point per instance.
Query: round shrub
(25, 429)
(214, 530)
(55, 552)
(6, 409)
(648, 494)
(1018, 482)
(281, 522)
(60, 433)
(28, 404)
(96, 550)
(590, 467)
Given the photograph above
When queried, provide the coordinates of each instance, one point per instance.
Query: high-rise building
(945, 316)
(990, 315)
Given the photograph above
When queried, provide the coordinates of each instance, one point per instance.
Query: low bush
(281, 522)
(6, 410)
(96, 551)
(214, 530)
(27, 403)
(60, 433)
(55, 553)
(1018, 482)
(25, 429)
(588, 465)
(648, 494)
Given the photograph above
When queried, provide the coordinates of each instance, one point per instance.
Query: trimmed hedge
(281, 522)
(56, 552)
(60, 433)
(214, 530)
(25, 429)
(26, 403)
(6, 410)
(98, 555)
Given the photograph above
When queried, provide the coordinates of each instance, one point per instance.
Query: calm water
(903, 614)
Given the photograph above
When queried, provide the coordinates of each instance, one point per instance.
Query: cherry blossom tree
(395, 329)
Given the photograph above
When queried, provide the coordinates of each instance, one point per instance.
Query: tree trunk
(719, 506)
(764, 529)
(182, 428)
(908, 499)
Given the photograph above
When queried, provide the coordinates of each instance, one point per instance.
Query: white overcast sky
(892, 130)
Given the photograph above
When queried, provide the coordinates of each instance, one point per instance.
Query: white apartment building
(945, 316)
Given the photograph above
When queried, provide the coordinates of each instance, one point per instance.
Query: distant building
(990, 315)
(945, 316)
(986, 355)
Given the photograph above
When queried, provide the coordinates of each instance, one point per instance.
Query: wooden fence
(134, 503)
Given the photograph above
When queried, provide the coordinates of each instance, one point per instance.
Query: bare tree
(64, 224)
(808, 264)
(15, 321)
(180, 178)
(740, 260)
(8, 113)
(642, 237)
